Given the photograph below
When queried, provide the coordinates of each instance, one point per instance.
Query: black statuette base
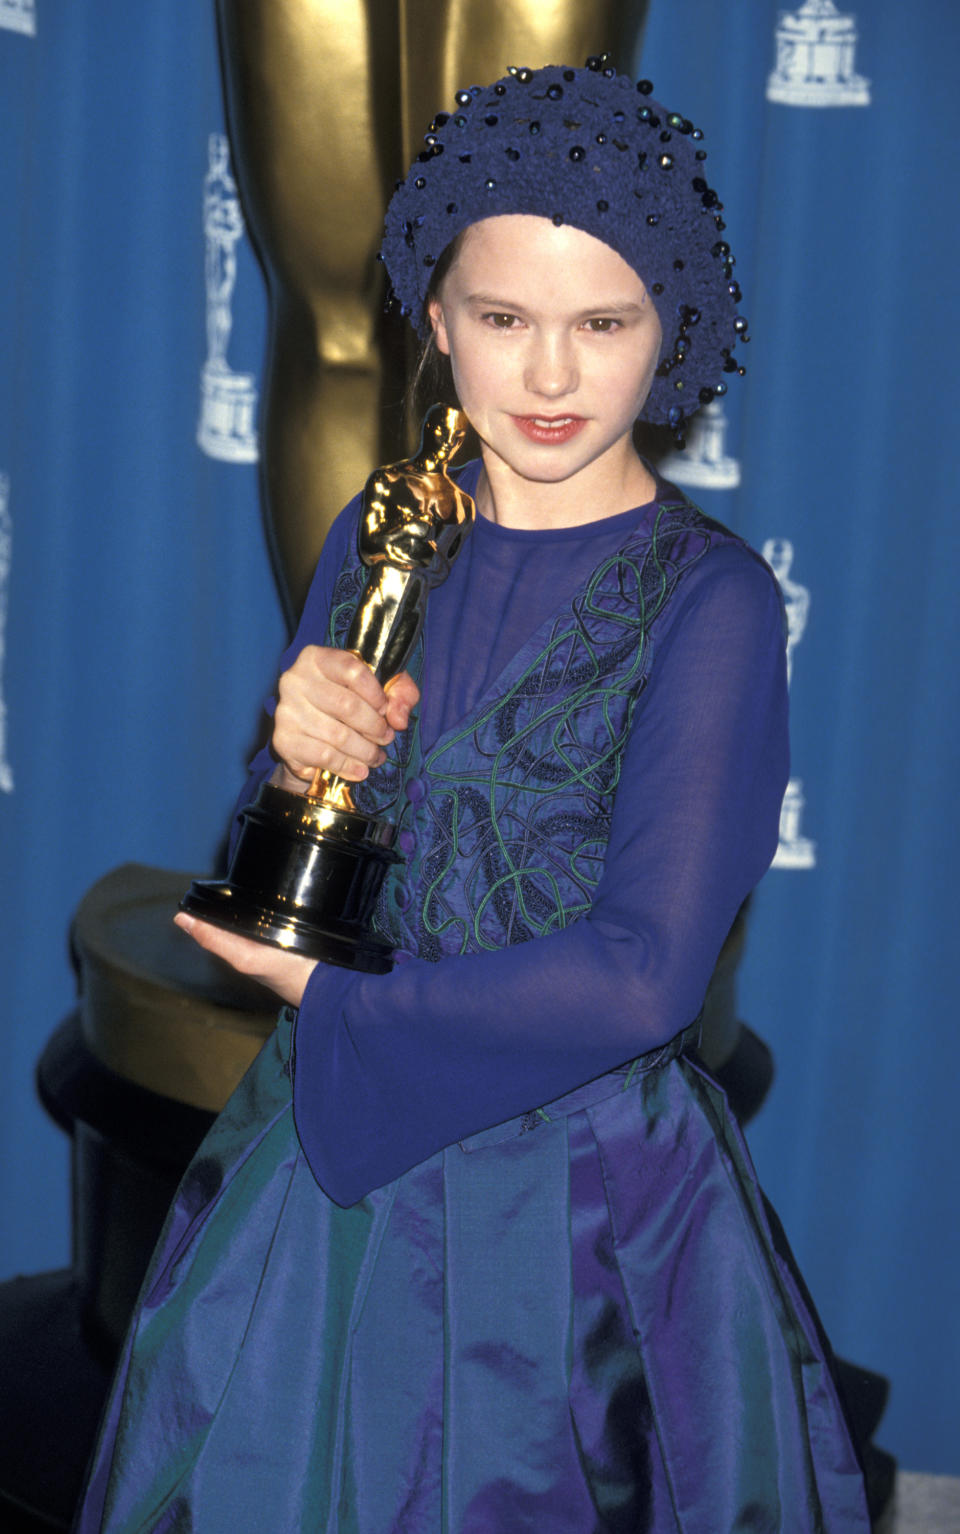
(303, 877)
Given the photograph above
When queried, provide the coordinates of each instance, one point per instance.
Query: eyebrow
(506, 306)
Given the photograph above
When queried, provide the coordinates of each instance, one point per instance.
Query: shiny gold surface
(308, 86)
(446, 44)
(327, 105)
(297, 812)
(413, 523)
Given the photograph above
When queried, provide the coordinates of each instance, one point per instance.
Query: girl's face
(553, 341)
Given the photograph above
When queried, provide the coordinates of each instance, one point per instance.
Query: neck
(601, 489)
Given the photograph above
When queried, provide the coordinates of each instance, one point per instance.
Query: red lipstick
(551, 429)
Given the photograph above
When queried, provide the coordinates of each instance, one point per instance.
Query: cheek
(656, 348)
(475, 373)
(626, 387)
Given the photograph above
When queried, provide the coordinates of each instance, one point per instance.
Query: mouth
(549, 428)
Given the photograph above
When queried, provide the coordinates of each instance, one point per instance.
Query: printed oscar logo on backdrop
(704, 461)
(227, 426)
(6, 556)
(794, 849)
(307, 867)
(19, 16)
(815, 59)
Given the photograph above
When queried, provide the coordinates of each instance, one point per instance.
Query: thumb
(403, 694)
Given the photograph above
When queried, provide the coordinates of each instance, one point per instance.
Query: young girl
(475, 1247)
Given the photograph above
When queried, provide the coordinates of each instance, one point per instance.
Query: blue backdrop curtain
(139, 623)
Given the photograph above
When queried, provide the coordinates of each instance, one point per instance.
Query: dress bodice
(503, 788)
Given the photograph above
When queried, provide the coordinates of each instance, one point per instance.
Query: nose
(551, 366)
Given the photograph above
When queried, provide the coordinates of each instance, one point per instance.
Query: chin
(547, 474)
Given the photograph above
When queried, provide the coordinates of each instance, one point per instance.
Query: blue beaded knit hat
(590, 148)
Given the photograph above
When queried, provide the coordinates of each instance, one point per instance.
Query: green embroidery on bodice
(505, 820)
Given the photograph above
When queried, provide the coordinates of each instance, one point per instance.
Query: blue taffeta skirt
(575, 1323)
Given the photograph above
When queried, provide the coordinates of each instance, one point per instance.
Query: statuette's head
(444, 428)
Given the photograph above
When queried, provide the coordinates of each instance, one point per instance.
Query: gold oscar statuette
(307, 868)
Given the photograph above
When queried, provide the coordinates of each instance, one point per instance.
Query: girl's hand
(285, 973)
(332, 713)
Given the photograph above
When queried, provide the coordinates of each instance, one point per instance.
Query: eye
(501, 321)
(601, 325)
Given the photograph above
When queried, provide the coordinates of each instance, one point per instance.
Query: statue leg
(313, 102)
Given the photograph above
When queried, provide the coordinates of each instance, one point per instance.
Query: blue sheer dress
(475, 1248)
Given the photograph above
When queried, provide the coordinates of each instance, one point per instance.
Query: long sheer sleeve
(389, 1069)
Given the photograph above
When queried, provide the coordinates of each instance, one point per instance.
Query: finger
(297, 776)
(319, 709)
(404, 688)
(356, 715)
(348, 671)
(331, 761)
(341, 751)
(334, 747)
(403, 694)
(284, 972)
(238, 950)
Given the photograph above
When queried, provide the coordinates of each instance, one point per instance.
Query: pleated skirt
(580, 1322)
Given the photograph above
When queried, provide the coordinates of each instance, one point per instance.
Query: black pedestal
(55, 1384)
(179, 1030)
(60, 1332)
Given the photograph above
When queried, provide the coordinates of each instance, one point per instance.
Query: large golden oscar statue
(327, 102)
